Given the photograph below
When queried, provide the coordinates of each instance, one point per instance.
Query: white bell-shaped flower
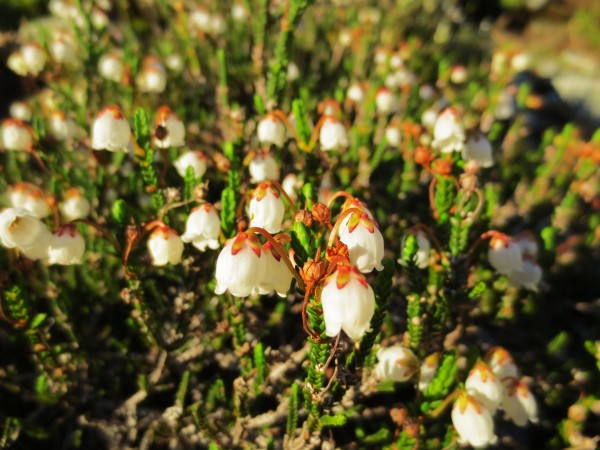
(355, 93)
(263, 167)
(478, 149)
(195, 160)
(169, 129)
(271, 130)
(62, 127)
(291, 184)
(21, 111)
(422, 256)
(484, 386)
(152, 79)
(504, 254)
(458, 74)
(67, 247)
(266, 209)
(364, 240)
(202, 227)
(30, 197)
(501, 363)
(110, 130)
(165, 246)
(356, 203)
(473, 422)
(396, 363)
(17, 64)
(448, 132)
(63, 49)
(19, 228)
(240, 266)
(529, 276)
(348, 303)
(111, 67)
(429, 118)
(30, 59)
(518, 402)
(393, 135)
(74, 205)
(278, 277)
(332, 135)
(16, 135)
(428, 370)
(40, 248)
(385, 101)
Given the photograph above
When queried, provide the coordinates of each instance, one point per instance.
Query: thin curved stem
(279, 187)
(339, 194)
(281, 116)
(279, 249)
(39, 160)
(442, 407)
(338, 223)
(103, 232)
(425, 229)
(165, 209)
(315, 132)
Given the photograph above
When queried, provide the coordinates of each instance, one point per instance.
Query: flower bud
(263, 167)
(277, 275)
(364, 240)
(153, 76)
(271, 130)
(19, 228)
(428, 370)
(169, 129)
(110, 130)
(240, 266)
(21, 111)
(16, 135)
(111, 67)
(501, 363)
(321, 213)
(396, 363)
(348, 303)
(202, 227)
(193, 159)
(67, 247)
(165, 246)
(518, 403)
(478, 149)
(30, 197)
(332, 135)
(266, 210)
(504, 255)
(484, 386)
(385, 101)
(448, 132)
(473, 422)
(74, 206)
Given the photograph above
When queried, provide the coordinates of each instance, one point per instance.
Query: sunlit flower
(112, 67)
(271, 130)
(165, 246)
(332, 135)
(169, 130)
(355, 93)
(478, 149)
(448, 132)
(66, 247)
(385, 101)
(21, 111)
(428, 370)
(518, 402)
(63, 49)
(422, 255)
(202, 227)
(484, 386)
(195, 160)
(473, 422)
(153, 76)
(16, 135)
(263, 167)
(501, 363)
(19, 228)
(30, 59)
(364, 240)
(266, 209)
(504, 255)
(393, 134)
(528, 276)
(277, 276)
(396, 363)
(30, 197)
(110, 130)
(62, 127)
(74, 205)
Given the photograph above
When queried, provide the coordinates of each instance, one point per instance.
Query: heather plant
(290, 224)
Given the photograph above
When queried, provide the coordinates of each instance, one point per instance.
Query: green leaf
(38, 320)
(333, 421)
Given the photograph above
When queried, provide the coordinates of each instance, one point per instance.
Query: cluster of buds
(516, 259)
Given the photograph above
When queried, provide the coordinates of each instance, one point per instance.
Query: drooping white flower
(385, 101)
(241, 266)
(202, 227)
(291, 183)
(266, 209)
(348, 303)
(332, 135)
(16, 135)
(422, 255)
(152, 79)
(458, 74)
(19, 228)
(528, 276)
(111, 67)
(63, 49)
(501, 363)
(40, 248)
(66, 247)
(165, 246)
(110, 130)
(355, 203)
(393, 134)
(518, 402)
(355, 93)
(448, 132)
(74, 205)
(364, 240)
(21, 111)
(263, 167)
(473, 422)
(478, 149)
(277, 276)
(195, 160)
(62, 127)
(396, 363)
(30, 197)
(271, 130)
(504, 255)
(484, 386)
(169, 130)
(428, 370)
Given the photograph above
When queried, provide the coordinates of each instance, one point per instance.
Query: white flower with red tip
(473, 422)
(518, 402)
(66, 247)
(348, 303)
(169, 129)
(484, 386)
(263, 167)
(504, 254)
(110, 130)
(111, 67)
(240, 266)
(202, 227)
(364, 240)
(396, 363)
(16, 135)
(19, 228)
(448, 132)
(165, 246)
(153, 76)
(478, 149)
(74, 205)
(332, 135)
(266, 209)
(278, 277)
(356, 203)
(30, 197)
(501, 363)
(385, 101)
(271, 130)
(194, 159)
